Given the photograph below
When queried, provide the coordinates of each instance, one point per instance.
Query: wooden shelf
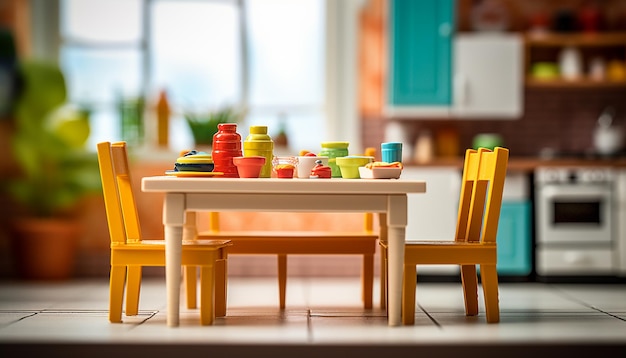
(582, 83)
(546, 47)
(608, 39)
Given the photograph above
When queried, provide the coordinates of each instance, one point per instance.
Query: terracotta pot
(45, 249)
(249, 167)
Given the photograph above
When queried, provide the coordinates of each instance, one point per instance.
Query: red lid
(321, 171)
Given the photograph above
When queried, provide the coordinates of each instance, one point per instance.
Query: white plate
(189, 174)
(380, 173)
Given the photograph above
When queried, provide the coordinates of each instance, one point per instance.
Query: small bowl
(349, 165)
(200, 162)
(249, 167)
(284, 167)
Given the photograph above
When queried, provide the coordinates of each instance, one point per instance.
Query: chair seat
(295, 242)
(449, 253)
(151, 252)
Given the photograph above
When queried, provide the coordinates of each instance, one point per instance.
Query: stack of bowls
(194, 161)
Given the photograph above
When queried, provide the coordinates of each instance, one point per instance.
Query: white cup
(306, 163)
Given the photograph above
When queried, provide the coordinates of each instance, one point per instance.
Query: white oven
(575, 221)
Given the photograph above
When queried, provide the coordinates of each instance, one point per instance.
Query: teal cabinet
(514, 239)
(420, 52)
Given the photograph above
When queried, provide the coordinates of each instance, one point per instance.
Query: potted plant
(55, 172)
(203, 125)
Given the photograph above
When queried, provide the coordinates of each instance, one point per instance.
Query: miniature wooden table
(275, 195)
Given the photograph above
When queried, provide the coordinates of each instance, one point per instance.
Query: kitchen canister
(391, 152)
(226, 146)
(259, 143)
(333, 150)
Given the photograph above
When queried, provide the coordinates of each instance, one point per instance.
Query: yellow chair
(484, 172)
(130, 252)
(283, 243)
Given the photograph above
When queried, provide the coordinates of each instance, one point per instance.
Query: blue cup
(391, 152)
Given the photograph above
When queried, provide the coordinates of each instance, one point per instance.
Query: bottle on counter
(259, 143)
(226, 146)
(163, 112)
(424, 147)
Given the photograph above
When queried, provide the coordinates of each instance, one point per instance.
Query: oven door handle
(576, 191)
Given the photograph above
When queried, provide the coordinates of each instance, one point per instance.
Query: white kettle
(607, 138)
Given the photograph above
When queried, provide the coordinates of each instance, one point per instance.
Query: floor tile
(320, 312)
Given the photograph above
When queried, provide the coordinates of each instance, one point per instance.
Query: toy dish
(189, 174)
(380, 172)
(194, 167)
(195, 162)
(349, 165)
(249, 167)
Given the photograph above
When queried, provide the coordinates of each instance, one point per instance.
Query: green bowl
(349, 165)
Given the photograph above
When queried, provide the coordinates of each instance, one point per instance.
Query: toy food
(381, 170)
(284, 170)
(383, 165)
(320, 171)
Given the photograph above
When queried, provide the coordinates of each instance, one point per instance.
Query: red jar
(226, 146)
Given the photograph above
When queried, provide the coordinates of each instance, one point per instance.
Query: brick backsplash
(562, 119)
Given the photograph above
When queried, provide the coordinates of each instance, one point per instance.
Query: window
(267, 55)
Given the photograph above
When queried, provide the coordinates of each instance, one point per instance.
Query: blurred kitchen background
(547, 79)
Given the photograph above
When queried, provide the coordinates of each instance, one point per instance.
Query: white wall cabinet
(488, 76)
(487, 80)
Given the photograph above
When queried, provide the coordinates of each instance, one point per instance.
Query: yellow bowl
(349, 165)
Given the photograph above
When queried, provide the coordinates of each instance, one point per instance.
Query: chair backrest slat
(121, 208)
(125, 191)
(112, 204)
(484, 172)
(499, 161)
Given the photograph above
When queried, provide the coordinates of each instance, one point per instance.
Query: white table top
(275, 185)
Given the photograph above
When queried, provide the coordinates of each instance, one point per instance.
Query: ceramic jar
(259, 143)
(226, 146)
(333, 150)
(570, 63)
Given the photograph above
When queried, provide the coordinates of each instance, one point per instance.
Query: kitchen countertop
(528, 164)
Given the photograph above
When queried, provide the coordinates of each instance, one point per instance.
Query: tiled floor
(323, 318)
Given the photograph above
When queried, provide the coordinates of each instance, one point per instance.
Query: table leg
(396, 262)
(173, 220)
(396, 228)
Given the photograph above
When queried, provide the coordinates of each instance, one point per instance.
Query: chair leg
(207, 295)
(220, 288)
(489, 279)
(190, 274)
(409, 285)
(367, 280)
(282, 280)
(470, 289)
(383, 278)
(133, 286)
(116, 293)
